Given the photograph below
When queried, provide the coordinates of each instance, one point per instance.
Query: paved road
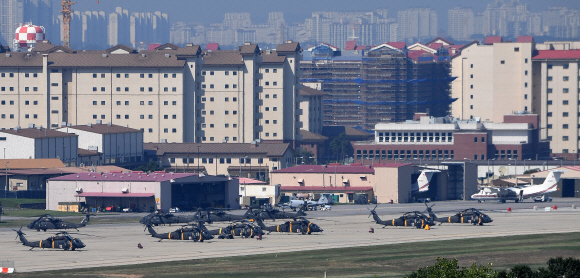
(344, 226)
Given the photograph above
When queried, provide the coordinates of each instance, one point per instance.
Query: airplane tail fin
(424, 180)
(551, 182)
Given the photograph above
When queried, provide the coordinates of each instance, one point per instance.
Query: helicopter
(218, 215)
(47, 222)
(471, 216)
(158, 218)
(299, 225)
(62, 240)
(199, 233)
(410, 219)
(244, 229)
(273, 213)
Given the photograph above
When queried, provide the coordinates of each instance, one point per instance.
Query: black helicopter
(299, 225)
(273, 213)
(244, 229)
(47, 222)
(468, 216)
(410, 219)
(195, 233)
(62, 240)
(218, 215)
(158, 218)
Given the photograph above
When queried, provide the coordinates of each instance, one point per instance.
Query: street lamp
(6, 175)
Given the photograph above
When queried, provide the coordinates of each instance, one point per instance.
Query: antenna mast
(66, 16)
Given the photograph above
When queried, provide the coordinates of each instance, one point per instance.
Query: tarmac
(344, 226)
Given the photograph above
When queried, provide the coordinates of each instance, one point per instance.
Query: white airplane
(422, 184)
(519, 193)
(324, 200)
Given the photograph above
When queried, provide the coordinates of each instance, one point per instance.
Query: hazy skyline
(207, 12)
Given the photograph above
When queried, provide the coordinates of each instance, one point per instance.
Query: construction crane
(66, 12)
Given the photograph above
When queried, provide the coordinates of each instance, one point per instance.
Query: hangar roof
(138, 176)
(325, 188)
(268, 149)
(106, 194)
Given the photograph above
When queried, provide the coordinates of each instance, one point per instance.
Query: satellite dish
(502, 170)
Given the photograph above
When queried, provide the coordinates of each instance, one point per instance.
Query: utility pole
(66, 11)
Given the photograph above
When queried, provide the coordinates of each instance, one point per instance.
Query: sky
(213, 11)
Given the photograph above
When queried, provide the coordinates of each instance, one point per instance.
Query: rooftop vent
(189, 44)
(143, 55)
(8, 55)
(99, 122)
(104, 55)
(289, 41)
(167, 55)
(247, 43)
(30, 125)
(89, 125)
(163, 140)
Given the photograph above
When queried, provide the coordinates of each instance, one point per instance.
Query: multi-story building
(387, 83)
(417, 23)
(33, 143)
(450, 139)
(556, 89)
(460, 23)
(253, 160)
(493, 79)
(111, 144)
(173, 94)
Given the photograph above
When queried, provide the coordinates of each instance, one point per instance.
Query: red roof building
(213, 46)
(489, 40)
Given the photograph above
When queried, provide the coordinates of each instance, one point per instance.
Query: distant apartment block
(172, 94)
(386, 83)
(418, 23)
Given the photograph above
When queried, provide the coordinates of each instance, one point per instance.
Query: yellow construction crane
(66, 12)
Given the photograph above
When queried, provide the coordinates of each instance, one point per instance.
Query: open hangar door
(433, 187)
(190, 196)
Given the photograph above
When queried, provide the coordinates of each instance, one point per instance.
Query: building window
(526, 95)
(564, 102)
(564, 138)
(174, 130)
(94, 89)
(174, 89)
(516, 49)
(142, 75)
(126, 89)
(549, 126)
(150, 102)
(142, 117)
(267, 83)
(470, 106)
(275, 83)
(274, 121)
(103, 102)
(565, 66)
(502, 62)
(150, 117)
(35, 89)
(565, 126)
(234, 72)
(234, 86)
(526, 72)
(211, 86)
(150, 75)
(94, 75)
(549, 66)
(118, 89)
(549, 114)
(166, 130)
(565, 78)
(549, 91)
(549, 78)
(227, 86)
(102, 89)
(150, 89)
(94, 102)
(482, 139)
(549, 102)
(126, 75)
(565, 90)
(211, 73)
(564, 114)
(475, 139)
(165, 89)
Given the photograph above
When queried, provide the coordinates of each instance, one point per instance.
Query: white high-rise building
(11, 14)
(460, 23)
(417, 23)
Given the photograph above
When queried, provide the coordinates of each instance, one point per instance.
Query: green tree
(450, 269)
(340, 146)
(531, 171)
(152, 166)
(303, 157)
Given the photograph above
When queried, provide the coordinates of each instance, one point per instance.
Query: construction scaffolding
(378, 86)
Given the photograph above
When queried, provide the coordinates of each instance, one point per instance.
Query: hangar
(142, 191)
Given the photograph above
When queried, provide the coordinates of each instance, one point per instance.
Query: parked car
(174, 210)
